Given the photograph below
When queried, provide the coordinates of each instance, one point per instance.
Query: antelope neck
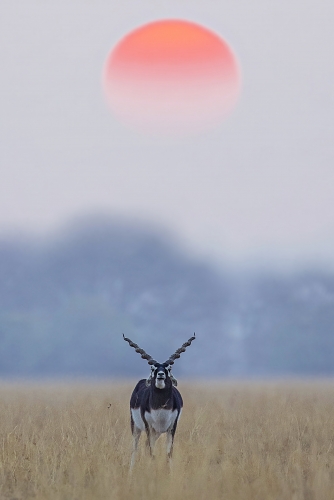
(161, 398)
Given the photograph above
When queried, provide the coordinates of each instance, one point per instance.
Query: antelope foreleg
(136, 435)
(152, 436)
(170, 441)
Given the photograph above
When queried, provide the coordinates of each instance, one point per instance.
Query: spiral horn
(140, 351)
(179, 351)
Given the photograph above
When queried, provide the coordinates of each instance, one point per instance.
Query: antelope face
(160, 377)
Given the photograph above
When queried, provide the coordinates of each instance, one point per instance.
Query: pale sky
(258, 187)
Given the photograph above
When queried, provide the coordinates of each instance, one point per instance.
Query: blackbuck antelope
(156, 404)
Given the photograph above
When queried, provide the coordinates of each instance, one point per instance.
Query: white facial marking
(161, 420)
(159, 383)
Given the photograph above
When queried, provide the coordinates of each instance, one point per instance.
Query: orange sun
(171, 77)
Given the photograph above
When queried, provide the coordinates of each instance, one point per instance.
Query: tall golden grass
(234, 441)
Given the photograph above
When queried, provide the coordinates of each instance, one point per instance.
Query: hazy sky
(260, 186)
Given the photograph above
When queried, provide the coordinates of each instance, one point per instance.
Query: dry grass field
(234, 441)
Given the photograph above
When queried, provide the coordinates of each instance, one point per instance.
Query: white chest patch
(161, 420)
(137, 419)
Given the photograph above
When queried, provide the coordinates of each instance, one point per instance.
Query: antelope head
(161, 373)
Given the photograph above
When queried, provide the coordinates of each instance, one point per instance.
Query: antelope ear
(148, 381)
(173, 379)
